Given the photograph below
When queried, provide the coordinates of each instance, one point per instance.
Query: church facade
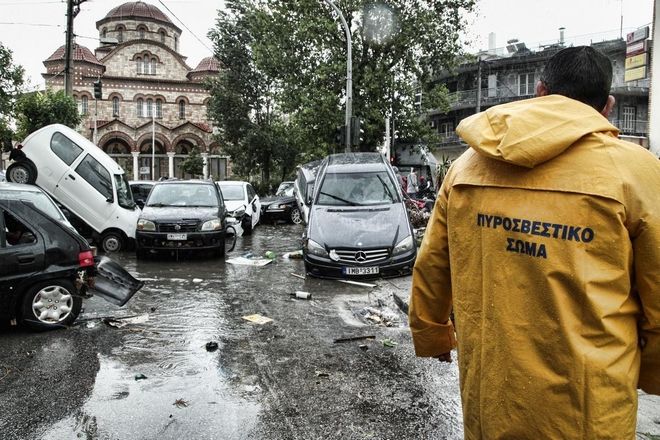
(153, 109)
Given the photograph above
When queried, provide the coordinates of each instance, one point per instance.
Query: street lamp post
(349, 74)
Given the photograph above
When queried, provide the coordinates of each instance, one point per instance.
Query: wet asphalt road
(287, 379)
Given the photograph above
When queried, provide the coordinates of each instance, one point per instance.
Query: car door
(254, 205)
(21, 249)
(87, 189)
(65, 152)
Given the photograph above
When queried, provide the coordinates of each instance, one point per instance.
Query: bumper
(276, 213)
(113, 283)
(393, 267)
(194, 240)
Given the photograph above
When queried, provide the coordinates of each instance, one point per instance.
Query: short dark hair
(581, 73)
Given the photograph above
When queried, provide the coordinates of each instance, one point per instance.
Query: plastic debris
(197, 280)
(322, 374)
(389, 343)
(140, 376)
(384, 316)
(211, 346)
(270, 254)
(123, 322)
(243, 261)
(301, 295)
(297, 276)
(357, 283)
(354, 338)
(258, 319)
(295, 255)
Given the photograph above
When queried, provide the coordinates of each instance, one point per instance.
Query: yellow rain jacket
(545, 239)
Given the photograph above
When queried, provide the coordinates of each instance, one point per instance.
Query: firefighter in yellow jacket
(545, 241)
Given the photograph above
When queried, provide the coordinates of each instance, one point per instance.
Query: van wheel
(112, 242)
(295, 216)
(22, 172)
(50, 304)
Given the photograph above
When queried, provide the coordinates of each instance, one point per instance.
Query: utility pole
(479, 85)
(72, 9)
(349, 74)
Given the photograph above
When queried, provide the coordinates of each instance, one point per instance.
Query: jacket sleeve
(430, 298)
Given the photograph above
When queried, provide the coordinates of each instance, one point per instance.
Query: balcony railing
(637, 127)
(489, 96)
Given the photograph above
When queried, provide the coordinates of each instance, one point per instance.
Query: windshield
(232, 192)
(353, 189)
(38, 199)
(124, 194)
(182, 194)
(285, 189)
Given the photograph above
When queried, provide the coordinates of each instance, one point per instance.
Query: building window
(446, 129)
(176, 43)
(182, 109)
(104, 33)
(153, 66)
(526, 84)
(150, 108)
(120, 35)
(162, 37)
(628, 119)
(84, 105)
(140, 109)
(138, 62)
(159, 108)
(142, 33)
(145, 68)
(115, 107)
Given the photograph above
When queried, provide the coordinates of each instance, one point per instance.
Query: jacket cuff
(434, 340)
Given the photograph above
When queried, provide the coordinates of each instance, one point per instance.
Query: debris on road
(357, 283)
(140, 376)
(180, 403)
(297, 276)
(301, 295)
(258, 319)
(211, 346)
(363, 347)
(384, 316)
(389, 343)
(123, 322)
(322, 374)
(401, 303)
(197, 280)
(246, 261)
(270, 255)
(354, 338)
(295, 255)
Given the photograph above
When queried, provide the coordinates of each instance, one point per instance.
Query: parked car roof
(351, 162)
(231, 182)
(38, 197)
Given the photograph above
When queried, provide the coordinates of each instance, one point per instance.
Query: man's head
(581, 73)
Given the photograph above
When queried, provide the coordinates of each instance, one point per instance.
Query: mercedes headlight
(212, 225)
(145, 225)
(405, 245)
(316, 249)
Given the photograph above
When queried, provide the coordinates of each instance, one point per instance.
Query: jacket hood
(529, 132)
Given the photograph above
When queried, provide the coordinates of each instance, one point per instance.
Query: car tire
(49, 305)
(295, 216)
(22, 172)
(112, 241)
(246, 224)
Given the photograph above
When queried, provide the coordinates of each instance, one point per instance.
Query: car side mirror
(140, 203)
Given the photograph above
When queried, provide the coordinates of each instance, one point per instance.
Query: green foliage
(289, 58)
(11, 84)
(193, 164)
(39, 109)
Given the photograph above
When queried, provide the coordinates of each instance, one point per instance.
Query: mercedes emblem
(177, 227)
(360, 257)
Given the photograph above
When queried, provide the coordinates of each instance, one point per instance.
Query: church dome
(208, 64)
(136, 10)
(78, 53)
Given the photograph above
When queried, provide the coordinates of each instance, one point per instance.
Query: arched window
(142, 32)
(138, 62)
(150, 108)
(84, 105)
(139, 108)
(145, 68)
(176, 43)
(153, 66)
(120, 35)
(159, 108)
(162, 37)
(104, 33)
(115, 106)
(182, 109)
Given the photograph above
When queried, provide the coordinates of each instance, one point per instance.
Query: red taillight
(86, 259)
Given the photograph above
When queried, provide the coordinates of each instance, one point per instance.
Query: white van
(84, 179)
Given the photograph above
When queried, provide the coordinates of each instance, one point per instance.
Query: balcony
(489, 96)
(636, 127)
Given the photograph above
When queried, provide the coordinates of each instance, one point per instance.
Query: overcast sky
(34, 29)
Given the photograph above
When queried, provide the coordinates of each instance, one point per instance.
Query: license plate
(177, 236)
(359, 270)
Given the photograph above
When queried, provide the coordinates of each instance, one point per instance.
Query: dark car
(358, 225)
(282, 206)
(141, 190)
(182, 215)
(47, 268)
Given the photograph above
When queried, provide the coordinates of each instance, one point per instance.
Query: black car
(282, 206)
(304, 187)
(47, 268)
(358, 225)
(182, 215)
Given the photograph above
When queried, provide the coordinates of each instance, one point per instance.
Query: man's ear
(541, 89)
(609, 105)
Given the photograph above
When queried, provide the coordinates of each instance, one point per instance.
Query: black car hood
(364, 227)
(176, 213)
(280, 200)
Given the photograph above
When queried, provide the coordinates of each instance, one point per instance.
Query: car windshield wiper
(389, 193)
(158, 205)
(348, 202)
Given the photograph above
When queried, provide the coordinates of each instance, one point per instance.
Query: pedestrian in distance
(412, 183)
(545, 243)
(17, 154)
(399, 178)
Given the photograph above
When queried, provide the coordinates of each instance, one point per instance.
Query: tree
(38, 109)
(11, 84)
(193, 164)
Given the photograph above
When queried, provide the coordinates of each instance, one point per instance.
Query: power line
(29, 3)
(33, 24)
(184, 25)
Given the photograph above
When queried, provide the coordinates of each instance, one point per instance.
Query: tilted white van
(83, 179)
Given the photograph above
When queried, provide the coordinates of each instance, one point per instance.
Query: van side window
(16, 231)
(64, 148)
(96, 175)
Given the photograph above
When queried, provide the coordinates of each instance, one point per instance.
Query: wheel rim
(295, 216)
(111, 244)
(20, 174)
(52, 304)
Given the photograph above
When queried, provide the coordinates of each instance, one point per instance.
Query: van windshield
(357, 189)
(124, 194)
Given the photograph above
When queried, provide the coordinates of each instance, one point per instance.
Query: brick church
(147, 87)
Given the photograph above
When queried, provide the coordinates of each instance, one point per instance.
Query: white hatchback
(242, 203)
